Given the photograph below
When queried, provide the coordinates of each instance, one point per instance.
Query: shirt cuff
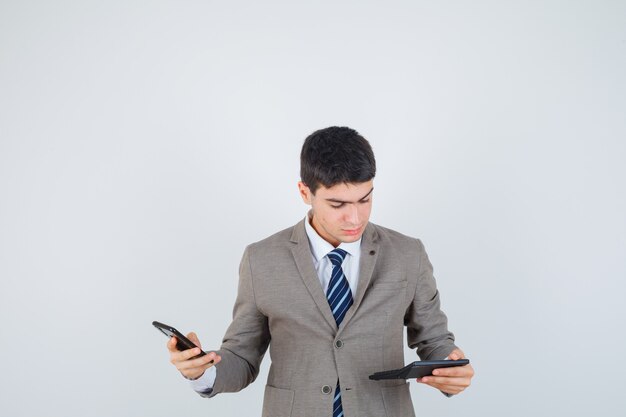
(206, 381)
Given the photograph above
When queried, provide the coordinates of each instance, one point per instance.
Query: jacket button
(326, 389)
(338, 344)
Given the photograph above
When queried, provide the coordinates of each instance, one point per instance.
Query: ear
(305, 192)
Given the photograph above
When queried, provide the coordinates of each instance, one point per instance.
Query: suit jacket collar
(302, 254)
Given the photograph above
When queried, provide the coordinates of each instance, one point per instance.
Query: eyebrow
(334, 200)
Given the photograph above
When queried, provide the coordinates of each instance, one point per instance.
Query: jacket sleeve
(246, 339)
(427, 325)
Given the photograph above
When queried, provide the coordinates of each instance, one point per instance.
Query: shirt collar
(320, 247)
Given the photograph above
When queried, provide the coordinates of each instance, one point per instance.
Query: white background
(144, 144)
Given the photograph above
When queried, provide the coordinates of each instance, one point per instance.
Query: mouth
(352, 232)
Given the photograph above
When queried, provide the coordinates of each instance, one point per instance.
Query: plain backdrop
(144, 144)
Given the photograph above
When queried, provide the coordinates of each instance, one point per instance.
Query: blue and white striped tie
(340, 299)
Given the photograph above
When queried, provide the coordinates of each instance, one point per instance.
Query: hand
(191, 368)
(451, 380)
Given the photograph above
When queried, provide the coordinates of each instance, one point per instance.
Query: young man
(331, 297)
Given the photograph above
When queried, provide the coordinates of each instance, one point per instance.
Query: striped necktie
(340, 299)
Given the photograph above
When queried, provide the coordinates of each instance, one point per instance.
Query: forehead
(346, 191)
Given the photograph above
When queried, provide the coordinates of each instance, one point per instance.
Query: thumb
(194, 338)
(457, 354)
(171, 344)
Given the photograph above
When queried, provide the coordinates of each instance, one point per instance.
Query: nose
(353, 214)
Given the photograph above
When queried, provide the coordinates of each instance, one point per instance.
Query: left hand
(451, 380)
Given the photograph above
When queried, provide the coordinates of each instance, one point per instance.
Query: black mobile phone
(418, 369)
(182, 343)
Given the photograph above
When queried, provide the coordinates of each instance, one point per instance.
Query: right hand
(191, 368)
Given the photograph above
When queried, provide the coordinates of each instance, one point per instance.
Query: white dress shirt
(319, 249)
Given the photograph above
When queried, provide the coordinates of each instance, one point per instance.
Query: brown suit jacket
(281, 304)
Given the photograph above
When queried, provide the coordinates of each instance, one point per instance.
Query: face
(341, 212)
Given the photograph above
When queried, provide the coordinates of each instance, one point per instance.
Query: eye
(365, 201)
(340, 205)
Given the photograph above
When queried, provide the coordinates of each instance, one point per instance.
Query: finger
(450, 389)
(178, 356)
(194, 338)
(456, 354)
(199, 360)
(203, 361)
(459, 371)
(215, 357)
(194, 363)
(190, 353)
(449, 381)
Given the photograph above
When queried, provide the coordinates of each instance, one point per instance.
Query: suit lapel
(369, 254)
(302, 255)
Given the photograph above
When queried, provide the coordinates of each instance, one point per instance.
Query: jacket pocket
(277, 402)
(397, 401)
